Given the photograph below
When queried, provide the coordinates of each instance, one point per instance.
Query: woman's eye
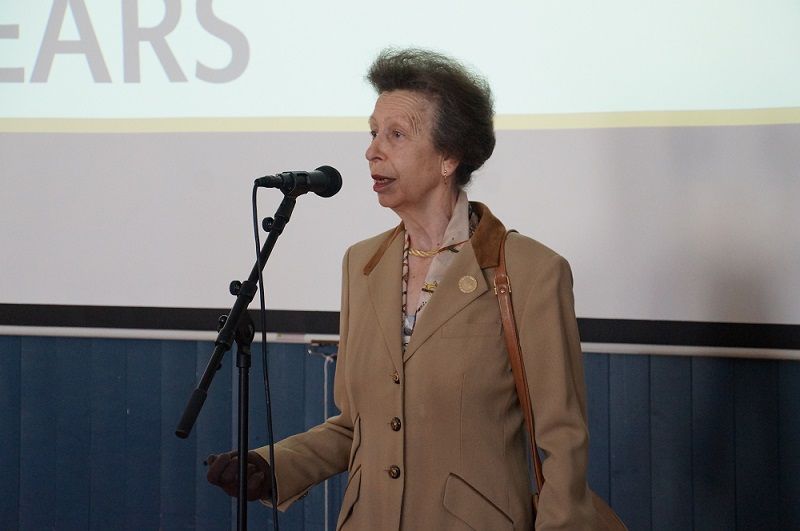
(397, 134)
(373, 134)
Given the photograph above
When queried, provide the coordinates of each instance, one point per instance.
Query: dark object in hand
(223, 472)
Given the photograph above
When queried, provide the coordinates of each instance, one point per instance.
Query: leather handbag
(607, 519)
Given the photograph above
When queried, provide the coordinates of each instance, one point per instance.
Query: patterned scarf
(461, 226)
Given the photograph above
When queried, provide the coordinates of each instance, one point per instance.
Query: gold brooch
(467, 284)
(430, 287)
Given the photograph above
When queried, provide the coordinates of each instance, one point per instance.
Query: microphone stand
(238, 324)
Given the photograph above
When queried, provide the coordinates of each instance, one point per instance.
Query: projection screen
(654, 145)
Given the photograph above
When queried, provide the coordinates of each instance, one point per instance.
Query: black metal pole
(244, 338)
(230, 325)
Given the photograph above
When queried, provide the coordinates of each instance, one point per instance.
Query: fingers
(259, 477)
(223, 471)
(255, 484)
(229, 473)
(217, 465)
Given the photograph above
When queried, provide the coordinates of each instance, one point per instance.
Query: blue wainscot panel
(87, 436)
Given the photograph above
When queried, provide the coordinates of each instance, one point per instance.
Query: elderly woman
(431, 430)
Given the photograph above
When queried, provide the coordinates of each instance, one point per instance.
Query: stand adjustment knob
(235, 287)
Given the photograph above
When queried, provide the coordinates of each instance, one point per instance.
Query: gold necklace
(427, 254)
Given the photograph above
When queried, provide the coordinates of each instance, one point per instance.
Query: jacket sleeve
(305, 459)
(551, 348)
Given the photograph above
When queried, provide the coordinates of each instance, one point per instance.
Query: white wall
(137, 193)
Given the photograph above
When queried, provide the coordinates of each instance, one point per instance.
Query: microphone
(324, 181)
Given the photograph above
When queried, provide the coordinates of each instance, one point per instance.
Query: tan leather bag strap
(502, 288)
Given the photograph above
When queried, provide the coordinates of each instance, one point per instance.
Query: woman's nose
(373, 150)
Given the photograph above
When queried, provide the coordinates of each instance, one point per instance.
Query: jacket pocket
(350, 498)
(464, 502)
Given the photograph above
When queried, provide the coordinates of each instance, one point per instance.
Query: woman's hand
(223, 472)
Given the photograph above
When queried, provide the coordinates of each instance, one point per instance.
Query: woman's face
(406, 169)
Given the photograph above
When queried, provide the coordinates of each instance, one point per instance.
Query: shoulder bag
(607, 519)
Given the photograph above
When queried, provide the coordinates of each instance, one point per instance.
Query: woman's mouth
(380, 182)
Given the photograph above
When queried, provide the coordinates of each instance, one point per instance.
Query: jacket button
(394, 471)
(395, 424)
(396, 377)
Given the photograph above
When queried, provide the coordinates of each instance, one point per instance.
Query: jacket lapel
(449, 298)
(384, 280)
(385, 294)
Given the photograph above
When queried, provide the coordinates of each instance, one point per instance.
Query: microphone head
(334, 181)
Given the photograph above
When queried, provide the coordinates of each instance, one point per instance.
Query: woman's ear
(449, 167)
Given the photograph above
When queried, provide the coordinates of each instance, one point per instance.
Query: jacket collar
(485, 241)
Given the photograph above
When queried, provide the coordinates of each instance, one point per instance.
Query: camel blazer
(433, 438)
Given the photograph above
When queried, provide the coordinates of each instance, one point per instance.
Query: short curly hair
(464, 116)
